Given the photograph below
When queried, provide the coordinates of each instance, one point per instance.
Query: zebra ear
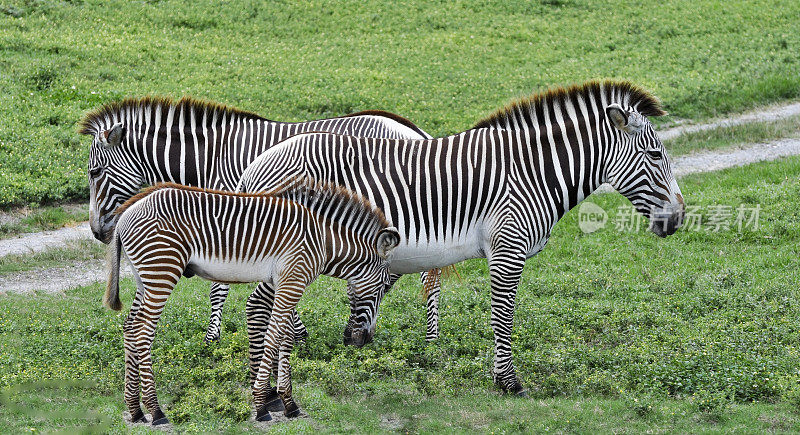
(113, 136)
(618, 116)
(388, 239)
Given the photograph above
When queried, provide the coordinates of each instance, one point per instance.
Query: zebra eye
(94, 172)
(654, 154)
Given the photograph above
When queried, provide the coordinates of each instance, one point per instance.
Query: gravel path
(729, 158)
(63, 278)
(54, 280)
(765, 115)
(32, 243)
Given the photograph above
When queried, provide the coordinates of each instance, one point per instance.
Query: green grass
(442, 66)
(727, 137)
(43, 219)
(614, 331)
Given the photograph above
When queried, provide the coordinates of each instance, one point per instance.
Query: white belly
(234, 271)
(415, 257)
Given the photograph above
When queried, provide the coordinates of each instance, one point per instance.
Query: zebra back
(193, 142)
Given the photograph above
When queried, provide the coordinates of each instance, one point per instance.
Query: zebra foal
(285, 238)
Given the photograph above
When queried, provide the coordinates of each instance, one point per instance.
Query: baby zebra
(287, 237)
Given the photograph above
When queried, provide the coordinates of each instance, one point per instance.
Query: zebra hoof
(513, 387)
(263, 415)
(138, 417)
(159, 418)
(273, 400)
(292, 411)
(523, 394)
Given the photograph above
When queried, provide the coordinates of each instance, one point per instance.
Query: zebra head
(113, 179)
(640, 170)
(367, 290)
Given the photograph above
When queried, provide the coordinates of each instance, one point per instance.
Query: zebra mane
(335, 203)
(115, 111)
(325, 199)
(622, 92)
(98, 119)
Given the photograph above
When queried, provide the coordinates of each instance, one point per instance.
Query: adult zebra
(497, 190)
(150, 140)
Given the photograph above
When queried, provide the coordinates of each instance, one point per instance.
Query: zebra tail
(111, 298)
(434, 274)
(430, 281)
(451, 271)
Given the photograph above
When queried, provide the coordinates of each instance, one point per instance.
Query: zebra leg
(505, 269)
(284, 378)
(131, 391)
(219, 292)
(286, 297)
(300, 331)
(155, 296)
(258, 309)
(264, 396)
(432, 286)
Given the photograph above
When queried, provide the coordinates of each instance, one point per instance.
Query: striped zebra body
(139, 142)
(286, 238)
(497, 190)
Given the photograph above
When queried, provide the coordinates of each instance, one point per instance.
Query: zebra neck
(564, 161)
(202, 148)
(341, 246)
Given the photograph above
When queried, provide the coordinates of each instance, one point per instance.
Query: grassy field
(615, 331)
(443, 67)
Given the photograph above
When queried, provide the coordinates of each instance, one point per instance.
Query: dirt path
(765, 115)
(32, 243)
(67, 277)
(729, 158)
(55, 280)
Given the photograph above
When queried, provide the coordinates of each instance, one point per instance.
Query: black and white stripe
(497, 190)
(286, 238)
(139, 142)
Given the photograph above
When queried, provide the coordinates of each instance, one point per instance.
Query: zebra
(496, 191)
(198, 143)
(286, 238)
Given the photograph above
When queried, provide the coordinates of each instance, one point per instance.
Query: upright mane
(335, 203)
(112, 112)
(622, 92)
(325, 199)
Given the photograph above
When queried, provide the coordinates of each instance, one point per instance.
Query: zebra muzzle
(360, 337)
(665, 224)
